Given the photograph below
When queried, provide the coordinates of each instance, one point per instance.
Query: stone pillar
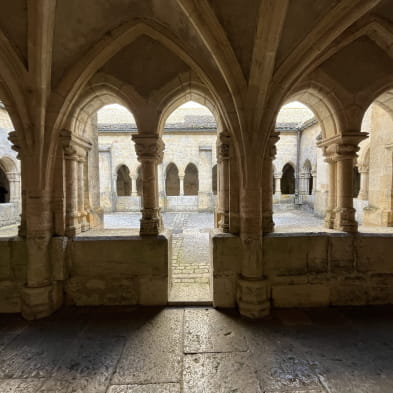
(82, 213)
(345, 213)
(363, 193)
(134, 192)
(277, 185)
(73, 226)
(149, 149)
(253, 296)
(332, 199)
(205, 178)
(267, 186)
(75, 152)
(223, 172)
(14, 139)
(314, 181)
(340, 152)
(181, 183)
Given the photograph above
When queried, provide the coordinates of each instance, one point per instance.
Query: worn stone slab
(212, 373)
(209, 330)
(36, 352)
(148, 388)
(153, 353)
(20, 385)
(87, 367)
(10, 327)
(281, 363)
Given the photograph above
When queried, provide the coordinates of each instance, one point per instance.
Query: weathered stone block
(224, 290)
(308, 295)
(342, 253)
(153, 291)
(375, 254)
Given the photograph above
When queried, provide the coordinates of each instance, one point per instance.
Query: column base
(150, 227)
(345, 220)
(41, 302)
(329, 219)
(253, 298)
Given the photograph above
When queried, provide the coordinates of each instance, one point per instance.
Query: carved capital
(223, 147)
(74, 146)
(149, 148)
(271, 149)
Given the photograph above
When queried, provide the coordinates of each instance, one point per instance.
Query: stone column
(75, 152)
(73, 226)
(345, 213)
(340, 152)
(363, 193)
(205, 178)
(223, 171)
(134, 192)
(82, 213)
(314, 181)
(332, 199)
(181, 183)
(14, 139)
(149, 149)
(267, 186)
(253, 296)
(277, 185)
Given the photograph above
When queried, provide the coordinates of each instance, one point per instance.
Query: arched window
(139, 181)
(191, 183)
(123, 181)
(172, 182)
(356, 182)
(4, 187)
(214, 180)
(288, 179)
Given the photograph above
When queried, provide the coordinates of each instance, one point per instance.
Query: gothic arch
(288, 179)
(191, 181)
(323, 103)
(123, 181)
(172, 181)
(174, 99)
(96, 95)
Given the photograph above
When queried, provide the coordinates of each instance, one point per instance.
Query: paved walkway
(198, 350)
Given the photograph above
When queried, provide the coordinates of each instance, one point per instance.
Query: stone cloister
(62, 61)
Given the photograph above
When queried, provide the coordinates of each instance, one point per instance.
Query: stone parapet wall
(13, 257)
(119, 270)
(310, 270)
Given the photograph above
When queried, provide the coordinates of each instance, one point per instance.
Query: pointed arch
(123, 181)
(172, 181)
(191, 180)
(288, 179)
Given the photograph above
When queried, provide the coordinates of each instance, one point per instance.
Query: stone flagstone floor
(198, 350)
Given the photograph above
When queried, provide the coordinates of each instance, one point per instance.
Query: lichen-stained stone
(20, 385)
(153, 353)
(148, 388)
(219, 372)
(208, 330)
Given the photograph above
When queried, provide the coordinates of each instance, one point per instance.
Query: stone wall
(181, 148)
(310, 270)
(119, 270)
(13, 258)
